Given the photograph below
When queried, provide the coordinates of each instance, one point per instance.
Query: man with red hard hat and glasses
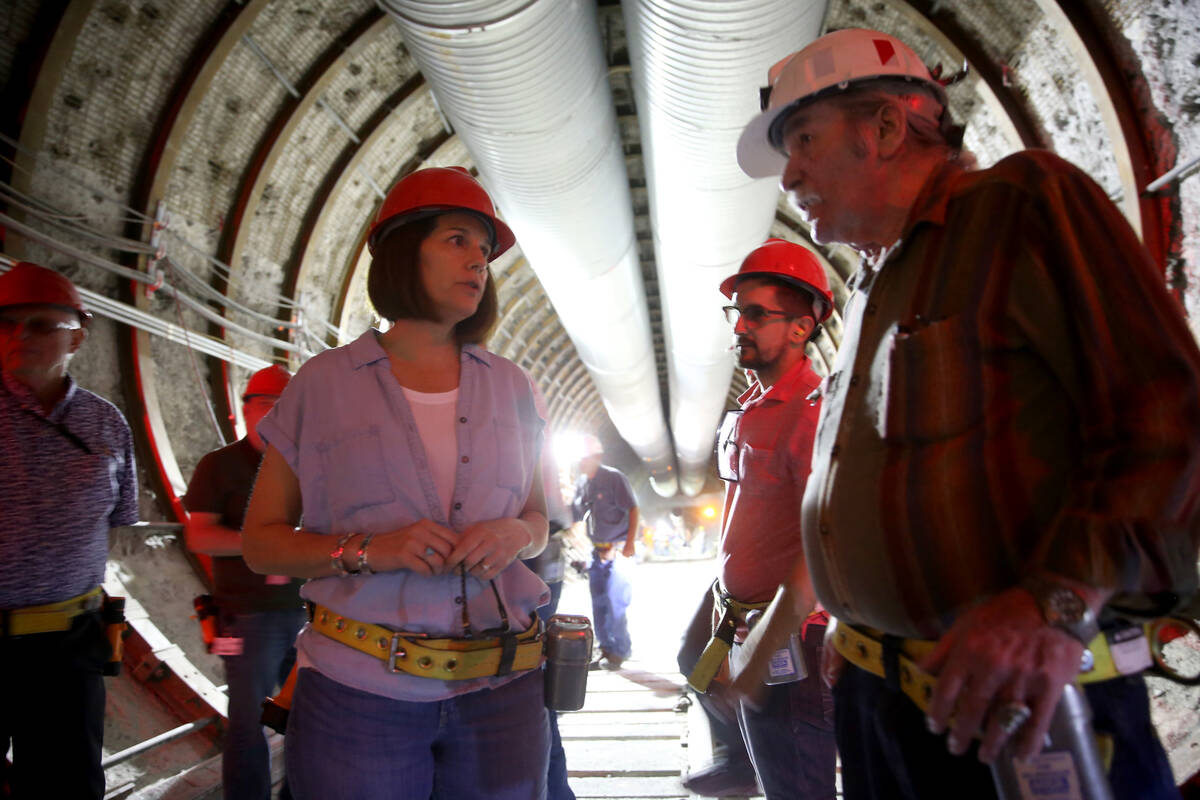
(258, 615)
(66, 477)
(780, 296)
(1008, 453)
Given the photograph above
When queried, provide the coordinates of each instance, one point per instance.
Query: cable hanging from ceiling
(220, 268)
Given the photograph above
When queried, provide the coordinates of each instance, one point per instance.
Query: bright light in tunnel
(709, 512)
(568, 448)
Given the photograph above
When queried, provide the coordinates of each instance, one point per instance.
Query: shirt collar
(25, 398)
(366, 349)
(794, 380)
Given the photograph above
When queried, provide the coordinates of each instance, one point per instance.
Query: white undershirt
(434, 415)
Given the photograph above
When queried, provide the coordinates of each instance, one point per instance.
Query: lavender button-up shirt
(345, 428)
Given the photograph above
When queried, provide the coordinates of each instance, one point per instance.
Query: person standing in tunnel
(67, 476)
(411, 459)
(1007, 463)
(259, 615)
(604, 500)
(780, 296)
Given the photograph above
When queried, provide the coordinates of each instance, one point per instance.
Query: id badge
(226, 646)
(787, 663)
(1049, 776)
(1129, 650)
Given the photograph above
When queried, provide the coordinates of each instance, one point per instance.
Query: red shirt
(769, 447)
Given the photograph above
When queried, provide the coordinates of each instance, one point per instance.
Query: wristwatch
(1063, 608)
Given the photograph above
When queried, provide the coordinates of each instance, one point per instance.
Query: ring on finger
(485, 566)
(428, 550)
(1012, 715)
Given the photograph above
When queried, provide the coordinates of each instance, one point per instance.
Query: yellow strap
(51, 617)
(718, 647)
(442, 659)
(865, 650)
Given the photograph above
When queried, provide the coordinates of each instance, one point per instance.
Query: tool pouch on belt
(112, 613)
(709, 663)
(275, 709)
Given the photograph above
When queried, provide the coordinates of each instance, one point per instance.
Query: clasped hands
(427, 548)
(997, 660)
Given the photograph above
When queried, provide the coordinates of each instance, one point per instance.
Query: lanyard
(466, 619)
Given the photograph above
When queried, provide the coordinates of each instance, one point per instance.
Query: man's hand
(1000, 652)
(628, 550)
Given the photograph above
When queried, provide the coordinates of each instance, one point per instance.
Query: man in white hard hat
(67, 476)
(1008, 455)
(779, 295)
(604, 498)
(258, 615)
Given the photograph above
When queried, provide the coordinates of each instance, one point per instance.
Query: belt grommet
(452, 665)
(382, 642)
(324, 616)
(340, 624)
(862, 649)
(425, 662)
(361, 633)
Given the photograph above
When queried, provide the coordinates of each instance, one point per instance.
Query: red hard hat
(438, 189)
(792, 262)
(28, 284)
(269, 381)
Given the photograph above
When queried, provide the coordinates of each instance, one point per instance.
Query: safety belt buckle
(396, 651)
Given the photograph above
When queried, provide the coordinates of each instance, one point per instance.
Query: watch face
(1064, 606)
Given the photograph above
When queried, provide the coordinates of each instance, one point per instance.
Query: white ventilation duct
(697, 67)
(525, 85)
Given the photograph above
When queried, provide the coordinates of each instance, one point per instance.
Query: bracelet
(363, 566)
(335, 555)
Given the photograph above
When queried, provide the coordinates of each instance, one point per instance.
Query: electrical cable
(212, 413)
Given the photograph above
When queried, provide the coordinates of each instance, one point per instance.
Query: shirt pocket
(760, 471)
(512, 461)
(925, 392)
(356, 474)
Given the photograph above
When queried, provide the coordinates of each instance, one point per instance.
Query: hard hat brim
(755, 155)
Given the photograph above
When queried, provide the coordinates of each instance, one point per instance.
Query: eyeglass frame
(37, 326)
(726, 447)
(766, 314)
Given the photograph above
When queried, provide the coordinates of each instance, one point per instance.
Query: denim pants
(790, 738)
(888, 753)
(345, 744)
(611, 593)
(268, 652)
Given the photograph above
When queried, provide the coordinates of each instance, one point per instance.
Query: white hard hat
(828, 65)
(590, 446)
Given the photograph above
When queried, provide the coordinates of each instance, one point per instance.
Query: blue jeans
(344, 744)
(887, 751)
(790, 739)
(268, 652)
(611, 594)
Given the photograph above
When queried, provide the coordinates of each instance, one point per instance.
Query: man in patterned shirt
(1008, 453)
(66, 476)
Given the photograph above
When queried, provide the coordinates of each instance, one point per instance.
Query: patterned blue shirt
(345, 428)
(65, 478)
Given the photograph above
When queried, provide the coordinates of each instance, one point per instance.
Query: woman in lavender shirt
(401, 477)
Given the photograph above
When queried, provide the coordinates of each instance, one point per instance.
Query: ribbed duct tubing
(697, 68)
(525, 85)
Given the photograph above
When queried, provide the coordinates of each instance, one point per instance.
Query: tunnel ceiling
(237, 151)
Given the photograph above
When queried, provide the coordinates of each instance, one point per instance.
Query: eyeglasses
(36, 326)
(753, 314)
(727, 450)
